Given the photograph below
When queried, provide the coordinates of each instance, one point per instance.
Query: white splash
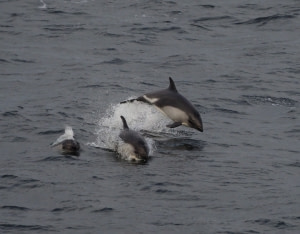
(139, 117)
(68, 135)
(44, 6)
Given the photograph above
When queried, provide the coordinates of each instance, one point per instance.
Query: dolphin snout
(138, 158)
(196, 125)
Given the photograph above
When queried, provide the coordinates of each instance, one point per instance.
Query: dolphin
(66, 143)
(136, 146)
(173, 105)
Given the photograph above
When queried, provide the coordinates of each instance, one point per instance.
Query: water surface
(72, 62)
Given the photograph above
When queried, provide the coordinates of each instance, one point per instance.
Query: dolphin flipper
(174, 125)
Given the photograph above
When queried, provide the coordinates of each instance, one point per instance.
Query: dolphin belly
(175, 114)
(127, 152)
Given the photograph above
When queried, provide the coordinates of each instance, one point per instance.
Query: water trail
(139, 116)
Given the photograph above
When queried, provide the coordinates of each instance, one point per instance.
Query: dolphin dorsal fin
(124, 123)
(172, 85)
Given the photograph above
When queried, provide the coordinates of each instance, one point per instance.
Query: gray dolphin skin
(139, 149)
(70, 146)
(173, 105)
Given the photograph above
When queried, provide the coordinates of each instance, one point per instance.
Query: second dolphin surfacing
(135, 147)
(173, 105)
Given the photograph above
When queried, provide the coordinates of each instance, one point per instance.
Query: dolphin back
(172, 86)
(136, 141)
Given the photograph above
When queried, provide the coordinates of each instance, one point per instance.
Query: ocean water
(70, 62)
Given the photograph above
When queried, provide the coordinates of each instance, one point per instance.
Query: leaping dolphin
(66, 143)
(173, 105)
(136, 146)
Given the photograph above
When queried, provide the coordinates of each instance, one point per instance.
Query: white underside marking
(151, 100)
(127, 152)
(176, 114)
(173, 113)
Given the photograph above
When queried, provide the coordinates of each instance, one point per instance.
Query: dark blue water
(71, 63)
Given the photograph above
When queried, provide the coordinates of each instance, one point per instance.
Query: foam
(68, 135)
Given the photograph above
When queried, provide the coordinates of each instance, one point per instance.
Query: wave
(6, 176)
(204, 22)
(115, 61)
(280, 101)
(260, 21)
(181, 144)
(22, 228)
(153, 29)
(65, 28)
(202, 19)
(52, 9)
(278, 224)
(105, 209)
(17, 208)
